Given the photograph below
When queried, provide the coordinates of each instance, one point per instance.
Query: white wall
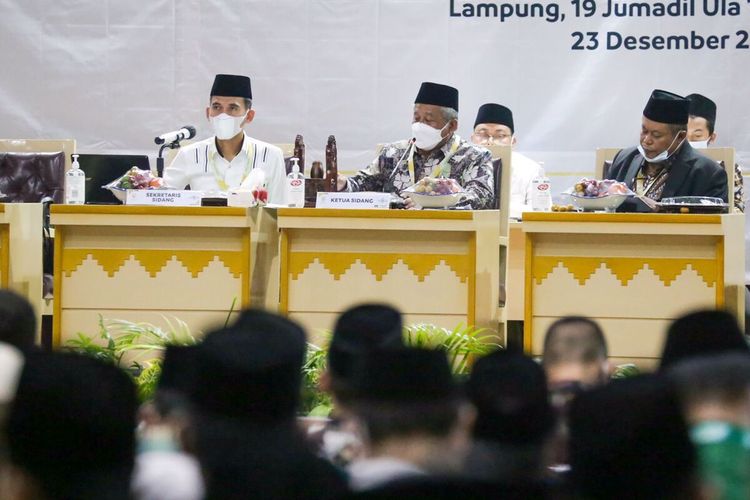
(113, 74)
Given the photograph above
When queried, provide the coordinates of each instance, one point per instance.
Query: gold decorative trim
(378, 264)
(621, 217)
(625, 268)
(153, 261)
(145, 210)
(376, 214)
(4, 255)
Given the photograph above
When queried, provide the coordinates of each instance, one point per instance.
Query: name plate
(163, 197)
(353, 200)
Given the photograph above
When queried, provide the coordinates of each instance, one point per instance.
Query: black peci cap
(361, 329)
(438, 95)
(509, 391)
(702, 106)
(232, 86)
(702, 333)
(251, 371)
(494, 113)
(666, 107)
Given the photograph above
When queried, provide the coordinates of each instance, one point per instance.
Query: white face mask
(225, 126)
(426, 137)
(699, 144)
(663, 156)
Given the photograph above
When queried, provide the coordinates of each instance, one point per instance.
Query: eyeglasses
(486, 139)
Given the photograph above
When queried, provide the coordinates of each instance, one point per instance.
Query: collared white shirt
(522, 172)
(200, 166)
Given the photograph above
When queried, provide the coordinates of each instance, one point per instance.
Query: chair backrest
(604, 155)
(501, 163)
(67, 146)
(723, 156)
(30, 177)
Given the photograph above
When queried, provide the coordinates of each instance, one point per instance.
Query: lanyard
(221, 181)
(643, 183)
(443, 169)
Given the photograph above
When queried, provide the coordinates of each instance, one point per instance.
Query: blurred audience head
(245, 397)
(72, 426)
(17, 320)
(177, 380)
(359, 330)
(575, 351)
(714, 388)
(628, 439)
(702, 333)
(251, 371)
(715, 396)
(407, 398)
(514, 416)
(11, 364)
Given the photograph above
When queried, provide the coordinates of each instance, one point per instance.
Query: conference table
(633, 273)
(436, 266)
(161, 265)
(158, 264)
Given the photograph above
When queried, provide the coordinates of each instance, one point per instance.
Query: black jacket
(691, 174)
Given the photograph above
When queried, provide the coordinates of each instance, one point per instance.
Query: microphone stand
(160, 158)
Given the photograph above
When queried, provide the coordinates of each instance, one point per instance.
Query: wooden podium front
(159, 263)
(21, 252)
(633, 273)
(436, 266)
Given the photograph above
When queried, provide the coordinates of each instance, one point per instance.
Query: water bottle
(295, 186)
(541, 199)
(75, 184)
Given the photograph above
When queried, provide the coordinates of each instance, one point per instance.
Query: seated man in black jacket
(664, 164)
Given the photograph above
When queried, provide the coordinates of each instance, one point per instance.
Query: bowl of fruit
(593, 195)
(135, 178)
(435, 192)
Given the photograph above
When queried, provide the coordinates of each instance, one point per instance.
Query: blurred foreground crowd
(224, 422)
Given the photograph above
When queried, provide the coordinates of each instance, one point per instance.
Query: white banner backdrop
(114, 74)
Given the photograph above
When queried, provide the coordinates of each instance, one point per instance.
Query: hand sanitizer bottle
(295, 186)
(541, 200)
(75, 184)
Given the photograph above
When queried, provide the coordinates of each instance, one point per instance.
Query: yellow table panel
(435, 266)
(634, 273)
(21, 252)
(152, 263)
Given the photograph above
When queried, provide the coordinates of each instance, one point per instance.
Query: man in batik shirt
(435, 150)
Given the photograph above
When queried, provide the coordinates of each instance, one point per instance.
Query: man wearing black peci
(664, 164)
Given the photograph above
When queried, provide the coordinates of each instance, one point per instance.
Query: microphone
(409, 144)
(186, 132)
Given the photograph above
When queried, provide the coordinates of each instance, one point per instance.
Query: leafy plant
(461, 344)
(134, 347)
(625, 371)
(314, 402)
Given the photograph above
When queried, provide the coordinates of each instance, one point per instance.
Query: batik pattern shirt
(739, 189)
(470, 166)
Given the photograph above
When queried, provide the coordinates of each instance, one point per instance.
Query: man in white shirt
(494, 125)
(225, 160)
